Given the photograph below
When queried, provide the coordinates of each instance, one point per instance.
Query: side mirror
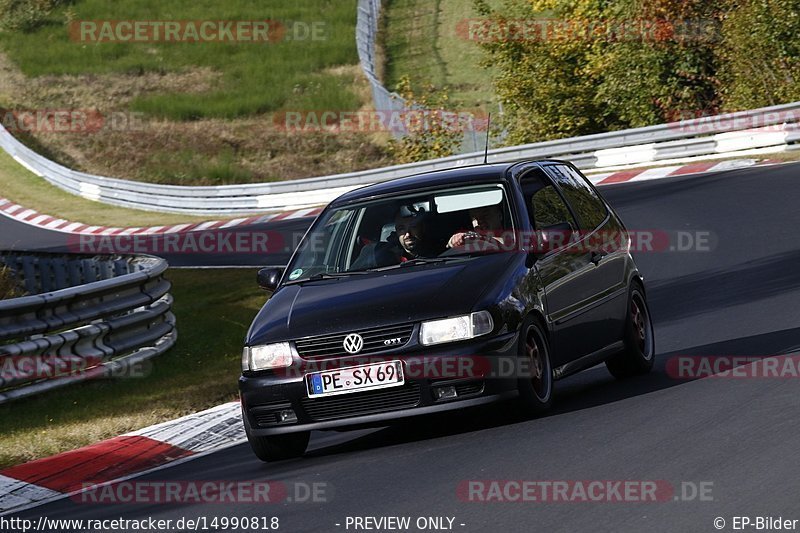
(268, 278)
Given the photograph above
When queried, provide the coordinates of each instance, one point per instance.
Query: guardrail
(731, 134)
(86, 317)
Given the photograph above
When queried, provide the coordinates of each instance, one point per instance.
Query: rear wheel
(638, 356)
(536, 381)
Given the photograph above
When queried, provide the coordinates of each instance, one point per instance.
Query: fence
(390, 103)
(84, 318)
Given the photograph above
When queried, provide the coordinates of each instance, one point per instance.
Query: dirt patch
(104, 92)
(211, 152)
(204, 152)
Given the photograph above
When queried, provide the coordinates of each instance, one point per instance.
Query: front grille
(374, 341)
(362, 403)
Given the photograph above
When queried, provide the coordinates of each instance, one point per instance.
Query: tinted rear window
(588, 207)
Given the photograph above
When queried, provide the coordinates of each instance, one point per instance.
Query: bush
(26, 15)
(434, 135)
(759, 54)
(601, 66)
(9, 287)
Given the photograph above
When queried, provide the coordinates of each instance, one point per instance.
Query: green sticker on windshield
(296, 274)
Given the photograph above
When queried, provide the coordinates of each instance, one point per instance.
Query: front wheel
(639, 354)
(277, 447)
(536, 380)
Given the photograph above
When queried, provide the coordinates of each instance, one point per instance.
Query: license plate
(355, 379)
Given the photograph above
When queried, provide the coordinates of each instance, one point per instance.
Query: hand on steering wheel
(460, 239)
(470, 242)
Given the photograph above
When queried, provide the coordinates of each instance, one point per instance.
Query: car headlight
(267, 356)
(456, 329)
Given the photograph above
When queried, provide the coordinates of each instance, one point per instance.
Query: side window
(589, 208)
(549, 209)
(545, 206)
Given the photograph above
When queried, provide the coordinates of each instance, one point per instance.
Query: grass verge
(256, 77)
(214, 308)
(191, 113)
(20, 185)
(421, 40)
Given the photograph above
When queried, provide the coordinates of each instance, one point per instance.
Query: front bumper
(480, 370)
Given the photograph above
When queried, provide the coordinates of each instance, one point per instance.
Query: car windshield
(404, 231)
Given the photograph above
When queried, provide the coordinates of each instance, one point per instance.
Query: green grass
(190, 167)
(257, 77)
(213, 308)
(25, 188)
(420, 40)
(209, 109)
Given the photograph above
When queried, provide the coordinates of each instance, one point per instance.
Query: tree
(759, 55)
(577, 67)
(433, 130)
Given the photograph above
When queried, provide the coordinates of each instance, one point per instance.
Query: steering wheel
(472, 245)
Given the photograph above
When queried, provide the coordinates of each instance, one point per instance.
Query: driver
(409, 241)
(412, 228)
(487, 225)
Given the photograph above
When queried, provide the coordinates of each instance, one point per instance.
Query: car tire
(278, 447)
(639, 353)
(536, 382)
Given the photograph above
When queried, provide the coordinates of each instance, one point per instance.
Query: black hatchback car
(442, 291)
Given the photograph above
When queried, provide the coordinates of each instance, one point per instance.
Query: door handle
(598, 256)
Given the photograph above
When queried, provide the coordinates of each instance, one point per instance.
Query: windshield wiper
(419, 261)
(423, 261)
(326, 275)
(411, 262)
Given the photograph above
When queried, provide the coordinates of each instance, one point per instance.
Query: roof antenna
(488, 133)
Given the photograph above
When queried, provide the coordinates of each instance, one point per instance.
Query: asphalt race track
(737, 295)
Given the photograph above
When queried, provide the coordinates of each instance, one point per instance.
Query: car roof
(459, 175)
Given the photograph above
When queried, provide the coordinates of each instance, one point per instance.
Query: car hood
(358, 302)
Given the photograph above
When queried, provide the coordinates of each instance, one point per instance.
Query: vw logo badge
(353, 343)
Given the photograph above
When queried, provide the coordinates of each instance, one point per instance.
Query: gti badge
(353, 343)
(392, 342)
